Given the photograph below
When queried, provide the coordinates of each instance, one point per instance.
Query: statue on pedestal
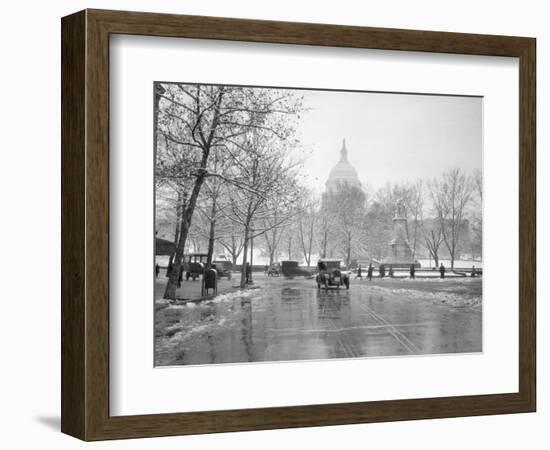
(400, 254)
(400, 208)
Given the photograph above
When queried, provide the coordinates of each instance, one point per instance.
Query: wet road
(292, 320)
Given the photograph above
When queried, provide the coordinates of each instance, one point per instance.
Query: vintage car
(291, 269)
(274, 270)
(223, 267)
(193, 265)
(331, 274)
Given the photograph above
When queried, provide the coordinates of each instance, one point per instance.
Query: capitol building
(399, 254)
(342, 173)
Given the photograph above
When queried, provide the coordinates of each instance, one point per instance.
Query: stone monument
(400, 254)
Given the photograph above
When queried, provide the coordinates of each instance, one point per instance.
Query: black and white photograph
(270, 225)
(296, 224)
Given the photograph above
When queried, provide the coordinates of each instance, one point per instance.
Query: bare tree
(308, 217)
(200, 120)
(188, 117)
(476, 223)
(433, 237)
(276, 225)
(450, 195)
(380, 213)
(211, 208)
(378, 227)
(323, 230)
(289, 244)
(272, 239)
(477, 183)
(346, 207)
(232, 240)
(266, 171)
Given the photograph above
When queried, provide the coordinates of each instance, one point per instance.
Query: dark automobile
(291, 269)
(193, 265)
(223, 268)
(331, 275)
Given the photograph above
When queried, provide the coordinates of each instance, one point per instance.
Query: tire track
(398, 332)
(397, 335)
(350, 348)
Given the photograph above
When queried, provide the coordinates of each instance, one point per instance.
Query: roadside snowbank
(446, 298)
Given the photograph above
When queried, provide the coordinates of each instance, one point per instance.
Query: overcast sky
(390, 137)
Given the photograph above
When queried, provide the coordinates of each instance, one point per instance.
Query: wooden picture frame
(85, 224)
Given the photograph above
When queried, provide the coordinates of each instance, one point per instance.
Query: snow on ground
(459, 263)
(220, 298)
(230, 296)
(463, 292)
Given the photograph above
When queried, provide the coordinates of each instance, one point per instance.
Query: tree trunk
(414, 241)
(233, 250)
(179, 206)
(211, 243)
(245, 252)
(187, 212)
(310, 243)
(187, 215)
(348, 253)
(251, 256)
(290, 248)
(212, 232)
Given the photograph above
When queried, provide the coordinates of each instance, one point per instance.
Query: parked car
(291, 269)
(193, 265)
(223, 268)
(330, 274)
(274, 270)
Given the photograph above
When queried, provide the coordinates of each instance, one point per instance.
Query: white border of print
(138, 388)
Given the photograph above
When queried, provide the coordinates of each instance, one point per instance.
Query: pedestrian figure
(441, 271)
(180, 277)
(473, 271)
(266, 269)
(391, 271)
(359, 272)
(412, 272)
(248, 272)
(157, 270)
(369, 272)
(382, 271)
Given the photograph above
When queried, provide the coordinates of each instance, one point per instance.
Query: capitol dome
(343, 172)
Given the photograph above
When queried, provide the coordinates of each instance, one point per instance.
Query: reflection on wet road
(292, 320)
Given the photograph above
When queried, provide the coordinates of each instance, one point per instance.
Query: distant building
(342, 173)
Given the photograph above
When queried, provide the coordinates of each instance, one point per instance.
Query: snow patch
(229, 297)
(446, 298)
